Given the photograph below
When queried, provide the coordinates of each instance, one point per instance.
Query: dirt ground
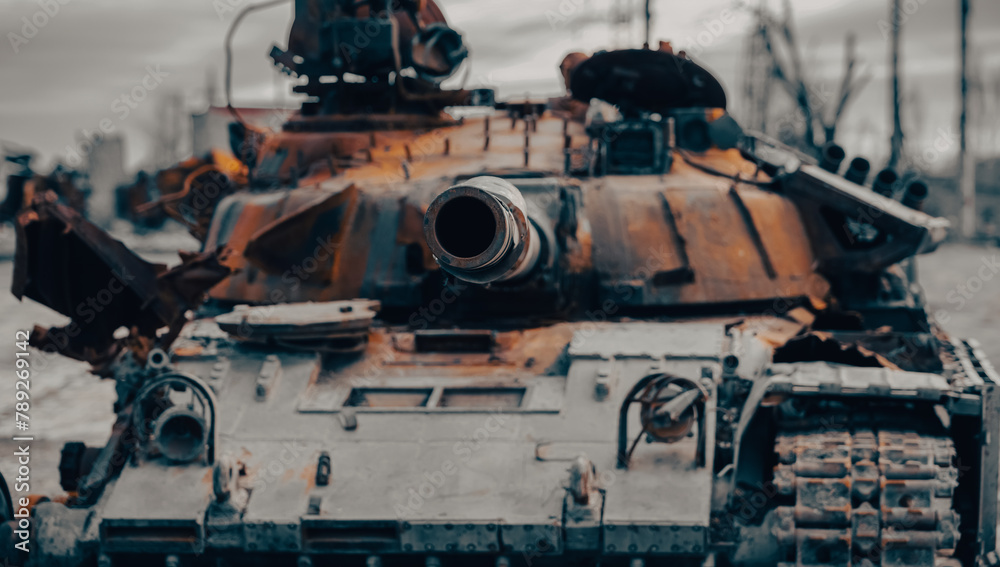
(963, 292)
(68, 404)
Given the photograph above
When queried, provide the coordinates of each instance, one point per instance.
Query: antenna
(622, 16)
(649, 17)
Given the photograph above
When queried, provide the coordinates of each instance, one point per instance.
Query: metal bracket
(201, 389)
(990, 469)
(624, 452)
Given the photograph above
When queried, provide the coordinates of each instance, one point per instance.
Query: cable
(229, 52)
(712, 171)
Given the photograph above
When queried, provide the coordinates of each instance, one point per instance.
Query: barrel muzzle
(857, 171)
(915, 194)
(479, 231)
(885, 182)
(831, 156)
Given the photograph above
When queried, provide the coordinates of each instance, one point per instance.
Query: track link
(866, 497)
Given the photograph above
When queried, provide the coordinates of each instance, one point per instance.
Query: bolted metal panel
(450, 537)
(649, 538)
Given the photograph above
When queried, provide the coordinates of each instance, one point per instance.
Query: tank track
(866, 497)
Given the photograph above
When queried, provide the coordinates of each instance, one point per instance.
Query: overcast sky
(68, 70)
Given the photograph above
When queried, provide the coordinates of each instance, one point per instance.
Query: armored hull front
(544, 333)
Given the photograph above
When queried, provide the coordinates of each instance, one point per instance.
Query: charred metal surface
(822, 346)
(277, 246)
(870, 494)
(99, 284)
(839, 214)
(651, 80)
(754, 233)
(23, 185)
(188, 192)
(398, 35)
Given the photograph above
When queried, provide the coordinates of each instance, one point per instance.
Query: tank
(431, 328)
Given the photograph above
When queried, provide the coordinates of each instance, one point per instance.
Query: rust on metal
(99, 284)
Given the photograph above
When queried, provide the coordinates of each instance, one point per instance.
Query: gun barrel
(479, 231)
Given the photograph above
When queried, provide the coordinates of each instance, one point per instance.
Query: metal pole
(897, 120)
(649, 16)
(966, 163)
